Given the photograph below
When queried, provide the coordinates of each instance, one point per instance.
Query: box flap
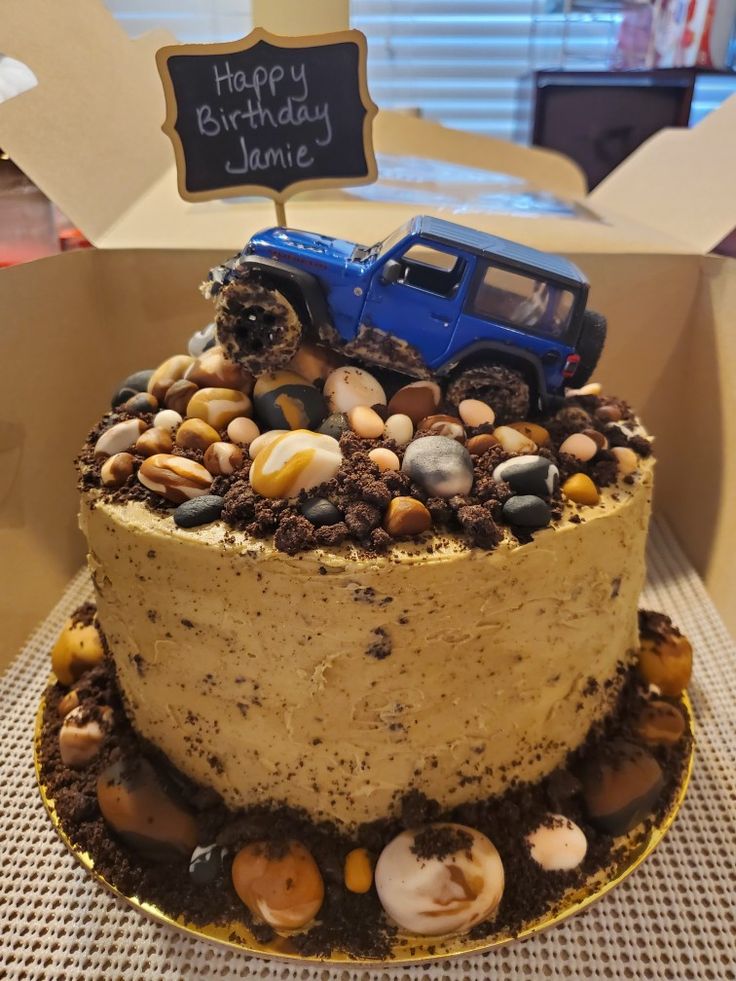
(89, 134)
(680, 182)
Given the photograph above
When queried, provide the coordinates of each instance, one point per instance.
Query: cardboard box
(73, 325)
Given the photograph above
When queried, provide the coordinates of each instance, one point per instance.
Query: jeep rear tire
(256, 325)
(589, 347)
(504, 389)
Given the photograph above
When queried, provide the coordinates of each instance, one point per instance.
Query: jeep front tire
(256, 325)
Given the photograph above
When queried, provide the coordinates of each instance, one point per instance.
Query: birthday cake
(366, 647)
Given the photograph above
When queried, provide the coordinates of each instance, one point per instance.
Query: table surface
(674, 918)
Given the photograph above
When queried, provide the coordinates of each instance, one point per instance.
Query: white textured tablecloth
(673, 919)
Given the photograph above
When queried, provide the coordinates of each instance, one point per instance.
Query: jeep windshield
(362, 252)
(538, 306)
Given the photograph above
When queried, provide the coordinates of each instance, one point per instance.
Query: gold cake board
(407, 949)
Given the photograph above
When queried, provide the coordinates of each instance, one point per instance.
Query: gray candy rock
(335, 425)
(206, 864)
(320, 512)
(529, 474)
(130, 386)
(202, 340)
(440, 465)
(527, 511)
(199, 511)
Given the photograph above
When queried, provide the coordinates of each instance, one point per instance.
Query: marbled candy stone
(199, 511)
(434, 896)
(130, 386)
(136, 806)
(320, 512)
(440, 465)
(529, 474)
(284, 888)
(202, 340)
(206, 864)
(443, 425)
(335, 425)
(526, 511)
(120, 436)
(621, 787)
(285, 400)
(298, 460)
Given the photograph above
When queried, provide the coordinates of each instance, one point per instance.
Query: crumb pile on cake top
(325, 451)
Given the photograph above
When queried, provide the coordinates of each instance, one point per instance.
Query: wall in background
(465, 63)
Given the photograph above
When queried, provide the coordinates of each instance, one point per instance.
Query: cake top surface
(317, 416)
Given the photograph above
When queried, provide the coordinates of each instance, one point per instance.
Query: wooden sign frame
(256, 36)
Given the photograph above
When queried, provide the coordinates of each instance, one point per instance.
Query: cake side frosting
(335, 681)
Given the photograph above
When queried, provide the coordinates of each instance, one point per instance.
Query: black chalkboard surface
(269, 114)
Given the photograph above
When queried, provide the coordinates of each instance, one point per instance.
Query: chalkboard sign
(269, 115)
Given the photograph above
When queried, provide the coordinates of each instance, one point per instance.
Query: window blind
(464, 63)
(468, 63)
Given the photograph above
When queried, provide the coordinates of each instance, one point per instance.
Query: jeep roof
(494, 247)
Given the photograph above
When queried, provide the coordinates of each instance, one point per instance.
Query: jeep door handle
(440, 318)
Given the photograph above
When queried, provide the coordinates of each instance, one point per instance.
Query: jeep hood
(298, 243)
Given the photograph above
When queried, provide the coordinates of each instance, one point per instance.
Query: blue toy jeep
(500, 321)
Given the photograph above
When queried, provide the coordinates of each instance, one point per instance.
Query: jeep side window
(523, 301)
(430, 269)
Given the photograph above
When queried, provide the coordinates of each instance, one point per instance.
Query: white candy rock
(345, 388)
(626, 460)
(592, 388)
(513, 441)
(167, 419)
(399, 428)
(557, 844)
(580, 446)
(81, 735)
(120, 436)
(433, 896)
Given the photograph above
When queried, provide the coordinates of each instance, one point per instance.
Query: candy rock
(529, 474)
(295, 461)
(281, 885)
(416, 400)
(349, 386)
(440, 465)
(440, 895)
(136, 806)
(621, 787)
(557, 844)
(285, 400)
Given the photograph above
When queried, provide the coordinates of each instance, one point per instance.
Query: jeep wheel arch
(522, 363)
